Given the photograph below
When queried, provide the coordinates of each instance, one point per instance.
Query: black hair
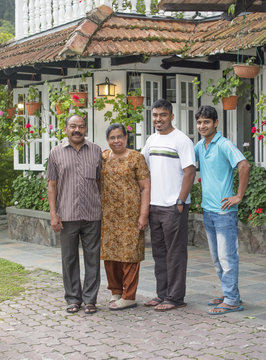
(70, 116)
(207, 112)
(115, 126)
(162, 103)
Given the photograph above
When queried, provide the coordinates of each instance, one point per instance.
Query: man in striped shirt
(73, 174)
(218, 157)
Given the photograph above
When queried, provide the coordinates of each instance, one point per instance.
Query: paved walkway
(35, 325)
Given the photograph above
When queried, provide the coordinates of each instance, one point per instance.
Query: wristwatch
(180, 202)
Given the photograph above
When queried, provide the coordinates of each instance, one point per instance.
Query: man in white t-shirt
(170, 156)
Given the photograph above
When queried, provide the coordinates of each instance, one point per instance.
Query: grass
(12, 279)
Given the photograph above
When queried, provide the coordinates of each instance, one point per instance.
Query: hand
(180, 208)
(230, 201)
(142, 222)
(56, 223)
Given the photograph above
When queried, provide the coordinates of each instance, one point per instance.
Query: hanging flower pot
(11, 112)
(79, 98)
(32, 107)
(135, 100)
(230, 102)
(59, 110)
(246, 71)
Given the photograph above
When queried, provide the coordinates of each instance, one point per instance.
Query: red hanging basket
(135, 100)
(79, 98)
(246, 71)
(33, 107)
(11, 112)
(230, 102)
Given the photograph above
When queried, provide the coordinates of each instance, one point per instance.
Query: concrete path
(35, 326)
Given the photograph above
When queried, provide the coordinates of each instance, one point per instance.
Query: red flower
(253, 130)
(28, 125)
(21, 143)
(260, 137)
(75, 97)
(199, 180)
(249, 216)
(31, 132)
(263, 123)
(259, 211)
(258, 130)
(42, 198)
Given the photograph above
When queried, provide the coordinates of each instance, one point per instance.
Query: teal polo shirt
(217, 164)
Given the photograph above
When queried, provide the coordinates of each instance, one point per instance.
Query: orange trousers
(122, 278)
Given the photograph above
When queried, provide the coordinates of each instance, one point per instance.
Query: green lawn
(12, 279)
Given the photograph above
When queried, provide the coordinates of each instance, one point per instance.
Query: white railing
(34, 16)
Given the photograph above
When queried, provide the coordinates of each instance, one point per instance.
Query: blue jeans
(221, 230)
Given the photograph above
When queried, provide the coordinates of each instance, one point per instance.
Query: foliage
(6, 101)
(253, 206)
(7, 175)
(7, 26)
(136, 92)
(261, 107)
(122, 112)
(7, 10)
(5, 37)
(224, 88)
(12, 278)
(30, 192)
(33, 95)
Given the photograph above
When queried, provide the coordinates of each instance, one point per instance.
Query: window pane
(155, 91)
(191, 122)
(148, 122)
(190, 95)
(183, 92)
(171, 89)
(148, 93)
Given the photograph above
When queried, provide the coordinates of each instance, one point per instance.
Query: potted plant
(248, 70)
(33, 103)
(121, 111)
(226, 90)
(60, 98)
(6, 102)
(135, 98)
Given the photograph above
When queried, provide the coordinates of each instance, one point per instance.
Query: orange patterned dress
(121, 240)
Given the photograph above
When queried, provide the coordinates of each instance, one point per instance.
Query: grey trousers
(89, 233)
(169, 235)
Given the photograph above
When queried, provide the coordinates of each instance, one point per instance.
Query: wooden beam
(35, 70)
(176, 62)
(121, 60)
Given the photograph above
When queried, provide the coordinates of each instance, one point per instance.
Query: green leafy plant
(136, 92)
(121, 111)
(32, 95)
(261, 119)
(226, 86)
(30, 192)
(253, 205)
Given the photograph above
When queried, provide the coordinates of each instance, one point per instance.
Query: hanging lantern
(106, 88)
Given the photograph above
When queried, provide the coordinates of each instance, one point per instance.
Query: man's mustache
(76, 133)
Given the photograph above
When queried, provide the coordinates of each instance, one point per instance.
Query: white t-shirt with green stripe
(167, 156)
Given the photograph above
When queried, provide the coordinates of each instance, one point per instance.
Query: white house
(61, 39)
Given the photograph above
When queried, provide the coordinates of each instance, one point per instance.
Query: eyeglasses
(118, 137)
(74, 126)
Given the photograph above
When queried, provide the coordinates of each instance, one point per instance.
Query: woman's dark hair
(115, 126)
(162, 103)
(206, 112)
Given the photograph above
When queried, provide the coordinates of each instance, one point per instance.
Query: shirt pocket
(89, 171)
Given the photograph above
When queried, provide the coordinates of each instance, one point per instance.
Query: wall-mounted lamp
(106, 88)
(20, 104)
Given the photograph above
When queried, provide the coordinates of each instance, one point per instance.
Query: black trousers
(89, 233)
(169, 235)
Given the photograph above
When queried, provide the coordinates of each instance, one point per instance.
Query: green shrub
(253, 206)
(30, 192)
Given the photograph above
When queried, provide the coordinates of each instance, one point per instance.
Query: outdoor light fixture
(106, 88)
(20, 104)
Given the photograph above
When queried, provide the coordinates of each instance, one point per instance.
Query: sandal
(90, 309)
(73, 308)
(153, 302)
(122, 304)
(114, 297)
(168, 305)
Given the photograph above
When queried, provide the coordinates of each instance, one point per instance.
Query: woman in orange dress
(125, 193)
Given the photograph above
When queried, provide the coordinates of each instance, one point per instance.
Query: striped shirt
(76, 172)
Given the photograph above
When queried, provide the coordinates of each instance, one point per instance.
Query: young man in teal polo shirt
(218, 157)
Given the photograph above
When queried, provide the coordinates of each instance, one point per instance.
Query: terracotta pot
(135, 100)
(77, 96)
(11, 112)
(246, 71)
(33, 107)
(58, 109)
(230, 102)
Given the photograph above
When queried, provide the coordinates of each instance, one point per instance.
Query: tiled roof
(104, 33)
